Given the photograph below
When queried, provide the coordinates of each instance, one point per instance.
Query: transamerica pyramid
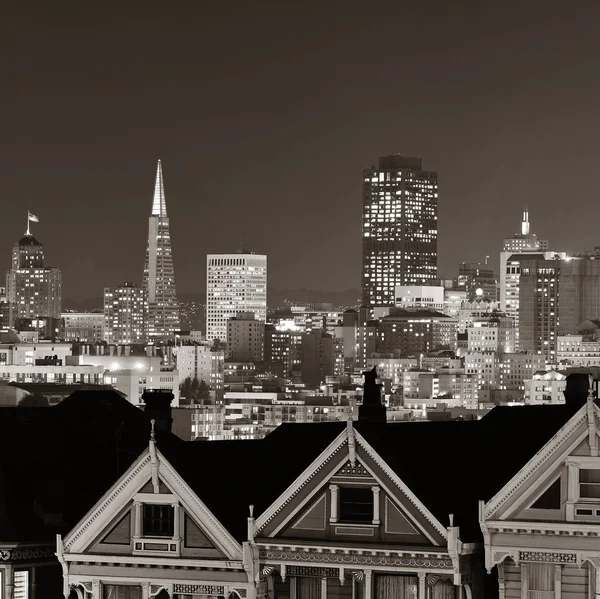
(159, 276)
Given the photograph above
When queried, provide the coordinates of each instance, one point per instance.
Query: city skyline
(284, 137)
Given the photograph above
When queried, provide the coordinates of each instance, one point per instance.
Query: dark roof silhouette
(29, 240)
(63, 459)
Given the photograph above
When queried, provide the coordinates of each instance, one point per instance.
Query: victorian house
(340, 510)
(541, 530)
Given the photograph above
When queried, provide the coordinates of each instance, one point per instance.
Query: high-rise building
(125, 309)
(539, 305)
(579, 290)
(399, 228)
(524, 242)
(245, 338)
(234, 283)
(159, 276)
(32, 289)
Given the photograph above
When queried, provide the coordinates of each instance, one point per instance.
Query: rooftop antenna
(525, 223)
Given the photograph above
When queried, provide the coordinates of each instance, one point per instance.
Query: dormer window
(589, 484)
(356, 505)
(158, 520)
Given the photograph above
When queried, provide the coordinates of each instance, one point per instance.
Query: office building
(158, 281)
(496, 333)
(283, 347)
(539, 305)
(202, 362)
(32, 289)
(420, 296)
(478, 281)
(245, 338)
(412, 332)
(234, 283)
(125, 309)
(524, 242)
(399, 228)
(579, 290)
(84, 327)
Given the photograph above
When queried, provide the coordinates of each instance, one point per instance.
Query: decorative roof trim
(107, 499)
(443, 532)
(536, 462)
(312, 470)
(116, 498)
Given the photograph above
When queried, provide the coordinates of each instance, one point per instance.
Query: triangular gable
(304, 504)
(536, 476)
(104, 519)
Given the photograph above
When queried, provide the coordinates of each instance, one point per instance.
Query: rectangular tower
(32, 289)
(125, 309)
(399, 228)
(234, 283)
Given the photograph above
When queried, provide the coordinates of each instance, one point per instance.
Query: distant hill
(277, 298)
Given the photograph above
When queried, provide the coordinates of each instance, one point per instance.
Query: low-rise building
(546, 387)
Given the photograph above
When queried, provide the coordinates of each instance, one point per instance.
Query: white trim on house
(124, 491)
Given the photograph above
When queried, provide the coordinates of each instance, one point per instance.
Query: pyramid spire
(525, 223)
(159, 204)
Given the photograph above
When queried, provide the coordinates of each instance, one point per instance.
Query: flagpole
(28, 233)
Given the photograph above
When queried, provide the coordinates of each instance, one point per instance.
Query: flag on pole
(32, 217)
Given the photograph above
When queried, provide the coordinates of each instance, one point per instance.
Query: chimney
(158, 408)
(372, 409)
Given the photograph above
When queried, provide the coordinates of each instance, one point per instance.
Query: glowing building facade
(399, 228)
(32, 289)
(524, 242)
(125, 309)
(159, 276)
(234, 283)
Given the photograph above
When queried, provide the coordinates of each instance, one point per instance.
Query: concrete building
(546, 387)
(203, 362)
(158, 279)
(577, 350)
(579, 290)
(321, 354)
(85, 327)
(420, 296)
(125, 311)
(245, 338)
(478, 281)
(234, 283)
(399, 228)
(414, 332)
(391, 368)
(133, 383)
(496, 333)
(33, 290)
(524, 242)
(283, 347)
(539, 305)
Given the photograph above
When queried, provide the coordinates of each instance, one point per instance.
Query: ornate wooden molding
(547, 556)
(522, 477)
(353, 558)
(26, 554)
(199, 589)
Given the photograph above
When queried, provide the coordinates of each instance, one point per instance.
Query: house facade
(541, 530)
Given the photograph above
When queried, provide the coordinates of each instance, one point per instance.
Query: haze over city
(265, 116)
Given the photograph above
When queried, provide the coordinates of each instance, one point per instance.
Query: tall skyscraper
(234, 283)
(539, 304)
(32, 289)
(524, 242)
(399, 228)
(125, 310)
(159, 276)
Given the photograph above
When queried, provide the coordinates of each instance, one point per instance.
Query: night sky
(265, 114)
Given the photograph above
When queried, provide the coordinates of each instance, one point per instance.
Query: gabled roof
(62, 459)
